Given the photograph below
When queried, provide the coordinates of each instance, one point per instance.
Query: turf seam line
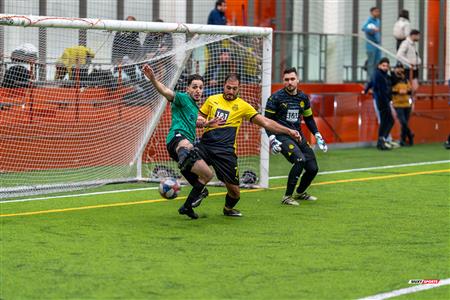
(409, 290)
(270, 178)
(215, 194)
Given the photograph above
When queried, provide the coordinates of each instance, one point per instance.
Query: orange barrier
(344, 115)
(35, 122)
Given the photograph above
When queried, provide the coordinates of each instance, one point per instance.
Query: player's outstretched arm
(161, 88)
(273, 126)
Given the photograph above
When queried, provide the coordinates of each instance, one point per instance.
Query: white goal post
(76, 112)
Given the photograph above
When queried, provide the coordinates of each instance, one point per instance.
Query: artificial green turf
(358, 239)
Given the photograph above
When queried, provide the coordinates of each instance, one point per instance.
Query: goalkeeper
(182, 135)
(287, 107)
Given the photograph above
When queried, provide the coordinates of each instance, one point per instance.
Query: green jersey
(184, 117)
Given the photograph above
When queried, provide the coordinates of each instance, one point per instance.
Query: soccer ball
(169, 188)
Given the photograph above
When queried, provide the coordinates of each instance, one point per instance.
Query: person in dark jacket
(156, 43)
(127, 49)
(217, 15)
(18, 74)
(382, 92)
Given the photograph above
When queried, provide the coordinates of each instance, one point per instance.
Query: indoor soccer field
(382, 219)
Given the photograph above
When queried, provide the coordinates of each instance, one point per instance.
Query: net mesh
(76, 110)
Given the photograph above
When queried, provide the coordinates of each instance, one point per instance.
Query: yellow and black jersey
(233, 112)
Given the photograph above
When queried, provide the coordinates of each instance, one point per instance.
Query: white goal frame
(117, 25)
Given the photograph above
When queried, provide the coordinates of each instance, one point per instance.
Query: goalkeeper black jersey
(287, 109)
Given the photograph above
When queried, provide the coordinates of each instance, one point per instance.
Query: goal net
(77, 112)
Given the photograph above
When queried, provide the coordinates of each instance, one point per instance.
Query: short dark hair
(404, 14)
(233, 76)
(194, 77)
(414, 32)
(384, 60)
(219, 2)
(373, 8)
(290, 70)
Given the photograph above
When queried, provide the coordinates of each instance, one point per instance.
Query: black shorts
(173, 144)
(294, 151)
(223, 160)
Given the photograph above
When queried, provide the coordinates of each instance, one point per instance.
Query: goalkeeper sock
(195, 193)
(230, 202)
(294, 174)
(311, 170)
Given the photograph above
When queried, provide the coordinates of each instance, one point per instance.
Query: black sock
(230, 202)
(295, 172)
(197, 189)
(182, 153)
(311, 169)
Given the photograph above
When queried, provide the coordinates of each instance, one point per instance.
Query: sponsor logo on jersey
(223, 114)
(292, 115)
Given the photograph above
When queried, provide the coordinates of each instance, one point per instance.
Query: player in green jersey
(182, 135)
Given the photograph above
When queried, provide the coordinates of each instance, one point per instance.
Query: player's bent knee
(192, 157)
(205, 175)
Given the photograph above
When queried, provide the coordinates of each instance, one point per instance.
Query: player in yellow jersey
(218, 145)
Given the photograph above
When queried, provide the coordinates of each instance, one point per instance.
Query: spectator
(217, 71)
(127, 49)
(372, 31)
(18, 74)
(217, 15)
(401, 100)
(156, 43)
(73, 58)
(382, 92)
(408, 54)
(402, 27)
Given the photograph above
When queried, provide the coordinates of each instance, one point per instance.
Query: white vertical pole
(266, 83)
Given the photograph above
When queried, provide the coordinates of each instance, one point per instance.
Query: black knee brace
(190, 160)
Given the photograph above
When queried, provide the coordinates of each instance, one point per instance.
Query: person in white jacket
(402, 27)
(408, 55)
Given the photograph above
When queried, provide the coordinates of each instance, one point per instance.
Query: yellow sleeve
(249, 111)
(206, 107)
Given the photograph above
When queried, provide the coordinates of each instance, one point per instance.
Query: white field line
(271, 178)
(410, 290)
(375, 168)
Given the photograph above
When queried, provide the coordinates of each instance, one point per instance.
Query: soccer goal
(76, 111)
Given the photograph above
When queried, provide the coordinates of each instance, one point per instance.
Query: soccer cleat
(305, 196)
(393, 144)
(383, 146)
(188, 212)
(288, 200)
(199, 200)
(231, 212)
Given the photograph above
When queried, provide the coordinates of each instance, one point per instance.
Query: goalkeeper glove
(321, 142)
(275, 145)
